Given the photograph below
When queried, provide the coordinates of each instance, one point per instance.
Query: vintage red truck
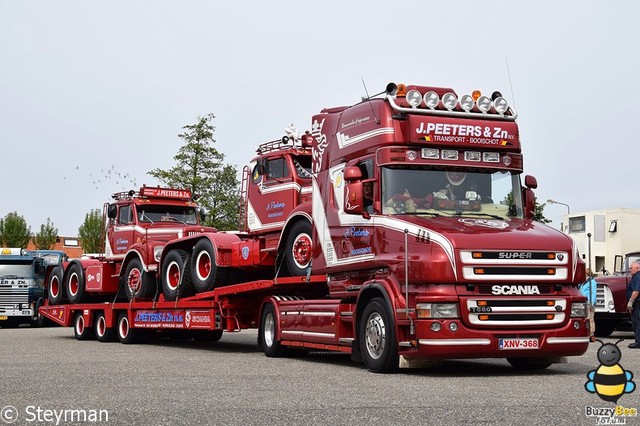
(417, 241)
(611, 298)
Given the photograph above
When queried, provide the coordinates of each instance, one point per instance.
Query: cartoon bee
(609, 381)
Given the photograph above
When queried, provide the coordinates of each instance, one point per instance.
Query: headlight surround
(437, 310)
(578, 309)
(157, 253)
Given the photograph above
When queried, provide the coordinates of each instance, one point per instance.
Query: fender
(303, 211)
(134, 252)
(222, 243)
(371, 289)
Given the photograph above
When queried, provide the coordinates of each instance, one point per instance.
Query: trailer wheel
(268, 332)
(205, 274)
(138, 284)
(377, 337)
(74, 283)
(55, 286)
(82, 330)
(104, 333)
(126, 334)
(529, 364)
(176, 277)
(298, 249)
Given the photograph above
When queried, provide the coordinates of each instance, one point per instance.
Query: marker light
(449, 101)
(431, 99)
(414, 98)
(467, 102)
(476, 94)
(501, 105)
(484, 104)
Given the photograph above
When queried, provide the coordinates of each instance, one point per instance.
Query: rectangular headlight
(437, 310)
(579, 309)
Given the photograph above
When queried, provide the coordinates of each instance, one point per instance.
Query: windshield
(16, 269)
(303, 166)
(452, 191)
(156, 213)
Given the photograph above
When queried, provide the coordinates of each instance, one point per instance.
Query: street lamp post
(550, 201)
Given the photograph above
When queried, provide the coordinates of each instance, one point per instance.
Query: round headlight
(501, 105)
(466, 102)
(484, 103)
(449, 101)
(414, 98)
(431, 99)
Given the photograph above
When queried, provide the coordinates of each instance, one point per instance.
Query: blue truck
(22, 276)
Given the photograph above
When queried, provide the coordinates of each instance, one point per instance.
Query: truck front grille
(10, 296)
(604, 299)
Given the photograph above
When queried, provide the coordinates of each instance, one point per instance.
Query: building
(604, 234)
(69, 245)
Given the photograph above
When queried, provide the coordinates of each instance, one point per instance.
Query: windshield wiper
(421, 213)
(493, 216)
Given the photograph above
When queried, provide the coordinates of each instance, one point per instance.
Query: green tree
(46, 238)
(201, 168)
(90, 232)
(539, 208)
(14, 231)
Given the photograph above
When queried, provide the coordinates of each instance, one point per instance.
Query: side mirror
(529, 203)
(530, 182)
(112, 211)
(352, 173)
(263, 166)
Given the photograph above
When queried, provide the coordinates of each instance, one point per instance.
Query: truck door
(272, 195)
(123, 230)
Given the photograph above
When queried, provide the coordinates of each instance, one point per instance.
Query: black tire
(138, 284)
(205, 274)
(38, 320)
(55, 286)
(82, 330)
(104, 333)
(604, 328)
(206, 335)
(176, 277)
(74, 284)
(268, 332)
(377, 337)
(298, 249)
(127, 334)
(528, 364)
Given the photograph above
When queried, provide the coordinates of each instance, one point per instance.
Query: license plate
(510, 344)
(3, 317)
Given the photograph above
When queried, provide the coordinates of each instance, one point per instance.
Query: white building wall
(613, 231)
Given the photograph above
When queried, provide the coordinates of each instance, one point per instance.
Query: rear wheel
(81, 329)
(104, 333)
(55, 286)
(205, 274)
(298, 249)
(74, 283)
(138, 284)
(176, 278)
(377, 337)
(126, 334)
(268, 333)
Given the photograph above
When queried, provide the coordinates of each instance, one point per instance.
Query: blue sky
(92, 87)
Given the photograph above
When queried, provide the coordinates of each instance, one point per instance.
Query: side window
(124, 215)
(278, 168)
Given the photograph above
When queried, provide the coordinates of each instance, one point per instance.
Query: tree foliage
(539, 216)
(201, 168)
(90, 232)
(14, 231)
(46, 237)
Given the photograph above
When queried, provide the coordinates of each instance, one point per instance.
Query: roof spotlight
(467, 102)
(484, 104)
(495, 95)
(500, 104)
(414, 98)
(449, 100)
(431, 99)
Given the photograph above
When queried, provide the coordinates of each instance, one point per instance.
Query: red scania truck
(417, 241)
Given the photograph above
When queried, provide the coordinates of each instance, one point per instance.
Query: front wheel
(377, 337)
(268, 332)
(138, 284)
(298, 247)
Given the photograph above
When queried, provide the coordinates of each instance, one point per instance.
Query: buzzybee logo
(610, 381)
